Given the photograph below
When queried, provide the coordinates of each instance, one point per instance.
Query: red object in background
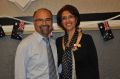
(21, 25)
(17, 32)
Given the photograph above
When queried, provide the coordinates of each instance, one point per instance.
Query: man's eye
(48, 20)
(42, 20)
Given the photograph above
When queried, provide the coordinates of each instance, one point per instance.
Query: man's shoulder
(27, 40)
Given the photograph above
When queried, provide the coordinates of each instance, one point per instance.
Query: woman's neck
(70, 34)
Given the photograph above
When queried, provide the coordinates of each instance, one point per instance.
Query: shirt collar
(38, 36)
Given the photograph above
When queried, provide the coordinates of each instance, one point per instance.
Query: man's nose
(44, 22)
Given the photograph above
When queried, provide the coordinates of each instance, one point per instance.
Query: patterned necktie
(51, 63)
(67, 62)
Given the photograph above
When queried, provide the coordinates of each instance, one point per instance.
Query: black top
(86, 60)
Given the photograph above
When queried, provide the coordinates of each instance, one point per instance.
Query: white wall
(85, 6)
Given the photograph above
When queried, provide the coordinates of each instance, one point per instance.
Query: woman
(76, 51)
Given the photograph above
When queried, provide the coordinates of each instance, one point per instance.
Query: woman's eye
(63, 18)
(71, 16)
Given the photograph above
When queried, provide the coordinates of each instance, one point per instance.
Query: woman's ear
(76, 20)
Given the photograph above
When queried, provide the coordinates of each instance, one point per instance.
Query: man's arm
(20, 62)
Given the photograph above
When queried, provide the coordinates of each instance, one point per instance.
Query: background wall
(84, 6)
(108, 52)
(108, 55)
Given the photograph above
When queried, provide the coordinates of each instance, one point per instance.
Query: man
(31, 61)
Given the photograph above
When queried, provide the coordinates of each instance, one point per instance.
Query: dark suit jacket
(86, 60)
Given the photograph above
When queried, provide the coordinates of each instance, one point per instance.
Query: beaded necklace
(73, 40)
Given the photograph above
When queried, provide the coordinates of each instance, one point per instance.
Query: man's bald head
(42, 10)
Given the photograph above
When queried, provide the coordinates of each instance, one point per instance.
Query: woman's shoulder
(87, 36)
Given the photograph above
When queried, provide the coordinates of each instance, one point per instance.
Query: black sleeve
(93, 58)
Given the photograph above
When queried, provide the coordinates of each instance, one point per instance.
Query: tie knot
(46, 39)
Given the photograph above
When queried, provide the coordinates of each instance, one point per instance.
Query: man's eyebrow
(48, 18)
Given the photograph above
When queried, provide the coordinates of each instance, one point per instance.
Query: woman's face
(68, 21)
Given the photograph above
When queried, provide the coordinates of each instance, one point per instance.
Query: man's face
(43, 22)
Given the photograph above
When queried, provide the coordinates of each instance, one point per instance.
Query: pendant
(76, 46)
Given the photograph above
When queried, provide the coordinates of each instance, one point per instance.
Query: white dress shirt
(73, 67)
(31, 60)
